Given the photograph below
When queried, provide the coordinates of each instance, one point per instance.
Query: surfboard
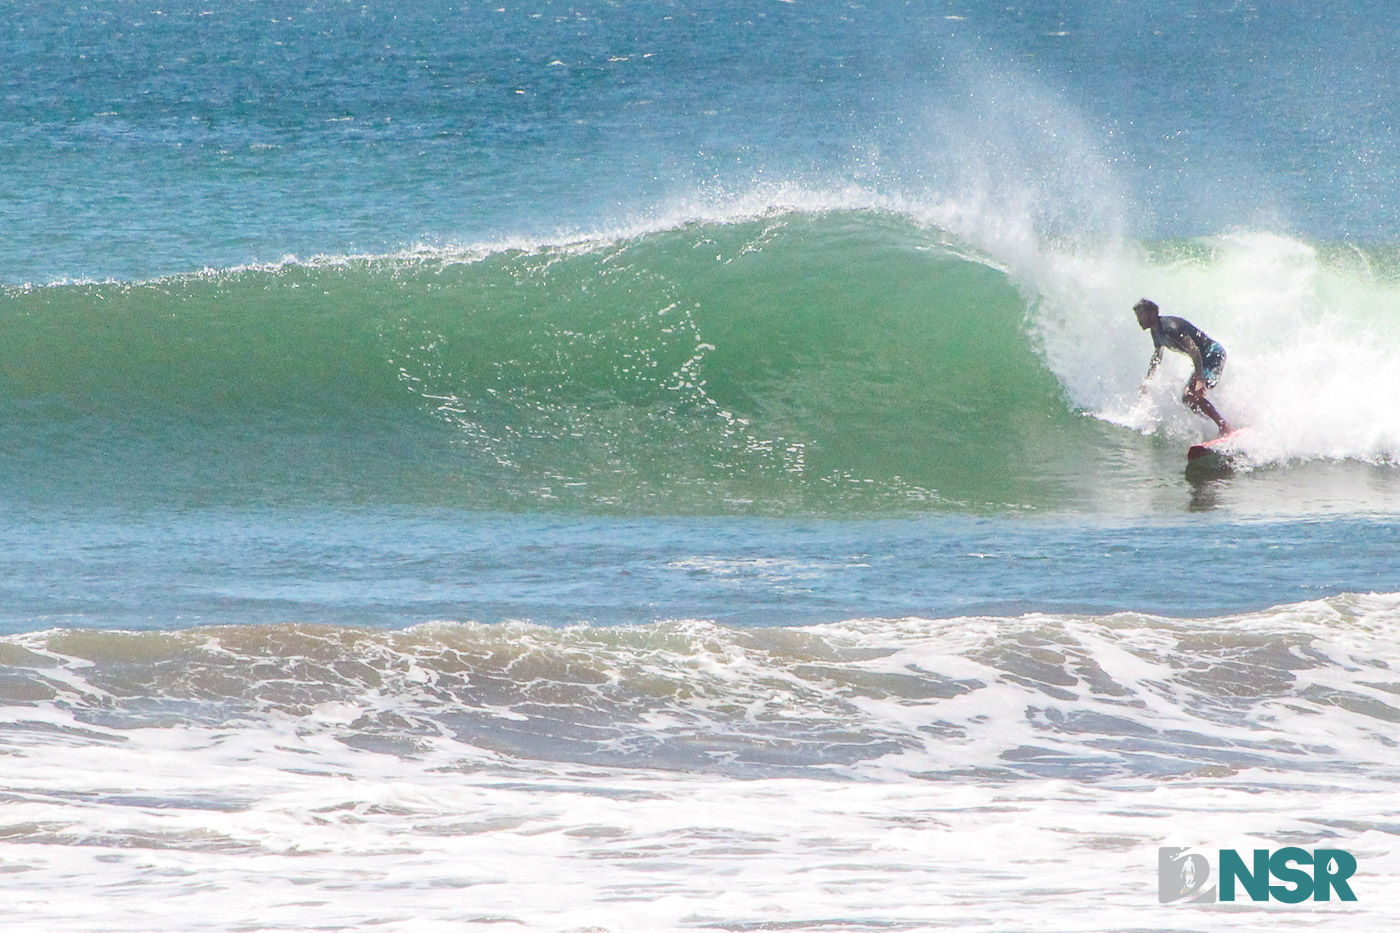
(1217, 454)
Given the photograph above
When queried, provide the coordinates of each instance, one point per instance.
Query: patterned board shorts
(1214, 360)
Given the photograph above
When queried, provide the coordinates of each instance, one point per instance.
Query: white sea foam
(1018, 773)
(1311, 370)
(283, 827)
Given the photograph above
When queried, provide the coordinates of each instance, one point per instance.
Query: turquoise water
(835, 363)
(682, 465)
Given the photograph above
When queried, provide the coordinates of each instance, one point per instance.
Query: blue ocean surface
(387, 568)
(688, 465)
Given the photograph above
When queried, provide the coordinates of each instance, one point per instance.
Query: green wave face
(797, 364)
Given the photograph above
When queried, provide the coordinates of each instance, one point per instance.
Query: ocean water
(681, 465)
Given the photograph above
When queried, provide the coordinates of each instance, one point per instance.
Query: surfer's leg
(1195, 399)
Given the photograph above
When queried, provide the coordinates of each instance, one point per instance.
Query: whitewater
(632, 466)
(900, 774)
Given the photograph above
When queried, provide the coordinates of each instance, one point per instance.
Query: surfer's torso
(1181, 335)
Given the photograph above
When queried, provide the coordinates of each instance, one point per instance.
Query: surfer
(1208, 356)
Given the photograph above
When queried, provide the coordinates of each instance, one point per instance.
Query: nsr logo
(1184, 875)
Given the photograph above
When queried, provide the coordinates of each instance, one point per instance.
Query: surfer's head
(1148, 314)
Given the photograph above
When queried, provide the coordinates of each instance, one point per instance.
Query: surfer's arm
(1152, 364)
(1197, 359)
